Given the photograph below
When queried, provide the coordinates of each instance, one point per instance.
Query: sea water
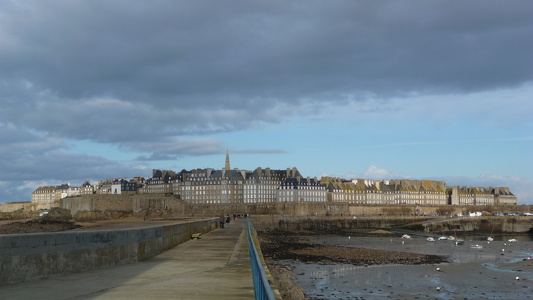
(478, 269)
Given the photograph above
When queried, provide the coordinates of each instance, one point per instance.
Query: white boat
(451, 238)
(442, 238)
(490, 238)
(430, 239)
(406, 236)
(512, 241)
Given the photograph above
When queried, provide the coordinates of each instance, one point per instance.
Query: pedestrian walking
(228, 219)
(222, 221)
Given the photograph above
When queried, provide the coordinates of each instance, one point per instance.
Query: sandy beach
(478, 269)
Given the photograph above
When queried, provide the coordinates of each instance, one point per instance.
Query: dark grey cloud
(171, 148)
(147, 76)
(28, 156)
(224, 54)
(96, 69)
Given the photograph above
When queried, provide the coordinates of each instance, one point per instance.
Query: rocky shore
(281, 245)
(36, 226)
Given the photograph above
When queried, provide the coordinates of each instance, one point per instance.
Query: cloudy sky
(354, 89)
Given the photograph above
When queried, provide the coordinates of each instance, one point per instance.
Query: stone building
(261, 185)
(463, 195)
(503, 196)
(51, 195)
(298, 189)
(422, 192)
(116, 186)
(45, 195)
(230, 186)
(357, 191)
(87, 188)
(161, 182)
(364, 191)
(210, 186)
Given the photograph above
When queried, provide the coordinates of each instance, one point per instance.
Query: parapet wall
(27, 257)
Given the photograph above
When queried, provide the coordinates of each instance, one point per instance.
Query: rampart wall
(27, 257)
(27, 206)
(160, 205)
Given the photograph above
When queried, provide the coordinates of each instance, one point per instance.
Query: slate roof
(229, 174)
(296, 184)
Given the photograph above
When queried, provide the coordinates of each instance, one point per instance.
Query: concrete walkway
(216, 266)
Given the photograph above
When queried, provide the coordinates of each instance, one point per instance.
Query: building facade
(210, 186)
(51, 195)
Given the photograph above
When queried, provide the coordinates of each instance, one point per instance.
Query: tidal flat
(477, 269)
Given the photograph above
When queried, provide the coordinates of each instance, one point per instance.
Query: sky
(101, 89)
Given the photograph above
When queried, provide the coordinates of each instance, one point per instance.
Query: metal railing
(262, 289)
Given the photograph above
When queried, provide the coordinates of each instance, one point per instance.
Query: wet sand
(476, 270)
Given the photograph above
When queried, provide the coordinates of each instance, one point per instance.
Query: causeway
(215, 266)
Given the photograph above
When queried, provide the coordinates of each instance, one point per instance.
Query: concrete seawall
(27, 257)
(293, 223)
(429, 224)
(483, 224)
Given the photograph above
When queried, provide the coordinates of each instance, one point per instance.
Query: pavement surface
(216, 266)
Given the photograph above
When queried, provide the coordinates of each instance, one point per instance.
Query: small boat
(512, 241)
(459, 242)
(430, 239)
(451, 238)
(490, 238)
(443, 238)
(406, 236)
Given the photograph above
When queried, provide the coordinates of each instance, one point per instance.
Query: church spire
(227, 166)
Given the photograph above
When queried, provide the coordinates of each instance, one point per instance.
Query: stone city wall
(27, 257)
(26, 206)
(161, 205)
(10, 207)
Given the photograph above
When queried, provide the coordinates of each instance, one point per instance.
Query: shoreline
(280, 245)
(476, 270)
